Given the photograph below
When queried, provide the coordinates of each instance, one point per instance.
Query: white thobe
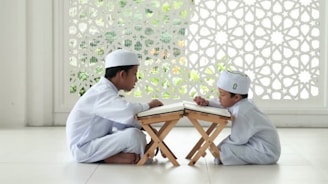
(102, 124)
(253, 139)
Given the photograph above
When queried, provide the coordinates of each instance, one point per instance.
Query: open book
(181, 106)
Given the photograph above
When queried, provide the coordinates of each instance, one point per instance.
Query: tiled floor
(39, 155)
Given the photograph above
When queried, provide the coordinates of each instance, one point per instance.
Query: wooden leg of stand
(157, 140)
(164, 149)
(214, 150)
(162, 133)
(148, 154)
(208, 140)
(200, 142)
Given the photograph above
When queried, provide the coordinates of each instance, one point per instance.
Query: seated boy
(102, 125)
(253, 139)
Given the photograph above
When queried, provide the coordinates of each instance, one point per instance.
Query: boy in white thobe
(253, 139)
(102, 125)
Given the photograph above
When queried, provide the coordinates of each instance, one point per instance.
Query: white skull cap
(121, 58)
(234, 82)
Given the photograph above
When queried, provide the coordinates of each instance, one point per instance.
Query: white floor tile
(40, 155)
(161, 174)
(61, 173)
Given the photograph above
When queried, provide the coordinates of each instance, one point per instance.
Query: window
(184, 44)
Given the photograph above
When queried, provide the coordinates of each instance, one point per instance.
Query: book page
(162, 109)
(179, 106)
(206, 109)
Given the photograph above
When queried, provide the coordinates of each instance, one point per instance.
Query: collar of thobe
(108, 83)
(230, 109)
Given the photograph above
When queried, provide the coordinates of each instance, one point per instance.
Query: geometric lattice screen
(184, 44)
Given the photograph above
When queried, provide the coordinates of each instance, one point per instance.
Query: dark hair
(111, 72)
(242, 96)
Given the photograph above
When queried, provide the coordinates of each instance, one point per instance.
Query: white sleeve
(214, 102)
(139, 107)
(119, 110)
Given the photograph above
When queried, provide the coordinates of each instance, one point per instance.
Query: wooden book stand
(170, 115)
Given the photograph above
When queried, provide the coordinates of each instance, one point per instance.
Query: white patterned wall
(184, 44)
(183, 47)
(276, 42)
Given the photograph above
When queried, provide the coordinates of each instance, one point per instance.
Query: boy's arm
(154, 103)
(214, 102)
(201, 101)
(140, 107)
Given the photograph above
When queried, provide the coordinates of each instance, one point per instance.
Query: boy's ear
(237, 97)
(121, 73)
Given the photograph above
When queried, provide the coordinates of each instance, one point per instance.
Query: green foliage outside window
(162, 58)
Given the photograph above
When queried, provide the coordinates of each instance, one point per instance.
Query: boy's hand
(201, 101)
(155, 103)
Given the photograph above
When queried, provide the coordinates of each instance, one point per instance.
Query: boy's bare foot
(123, 158)
(163, 154)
